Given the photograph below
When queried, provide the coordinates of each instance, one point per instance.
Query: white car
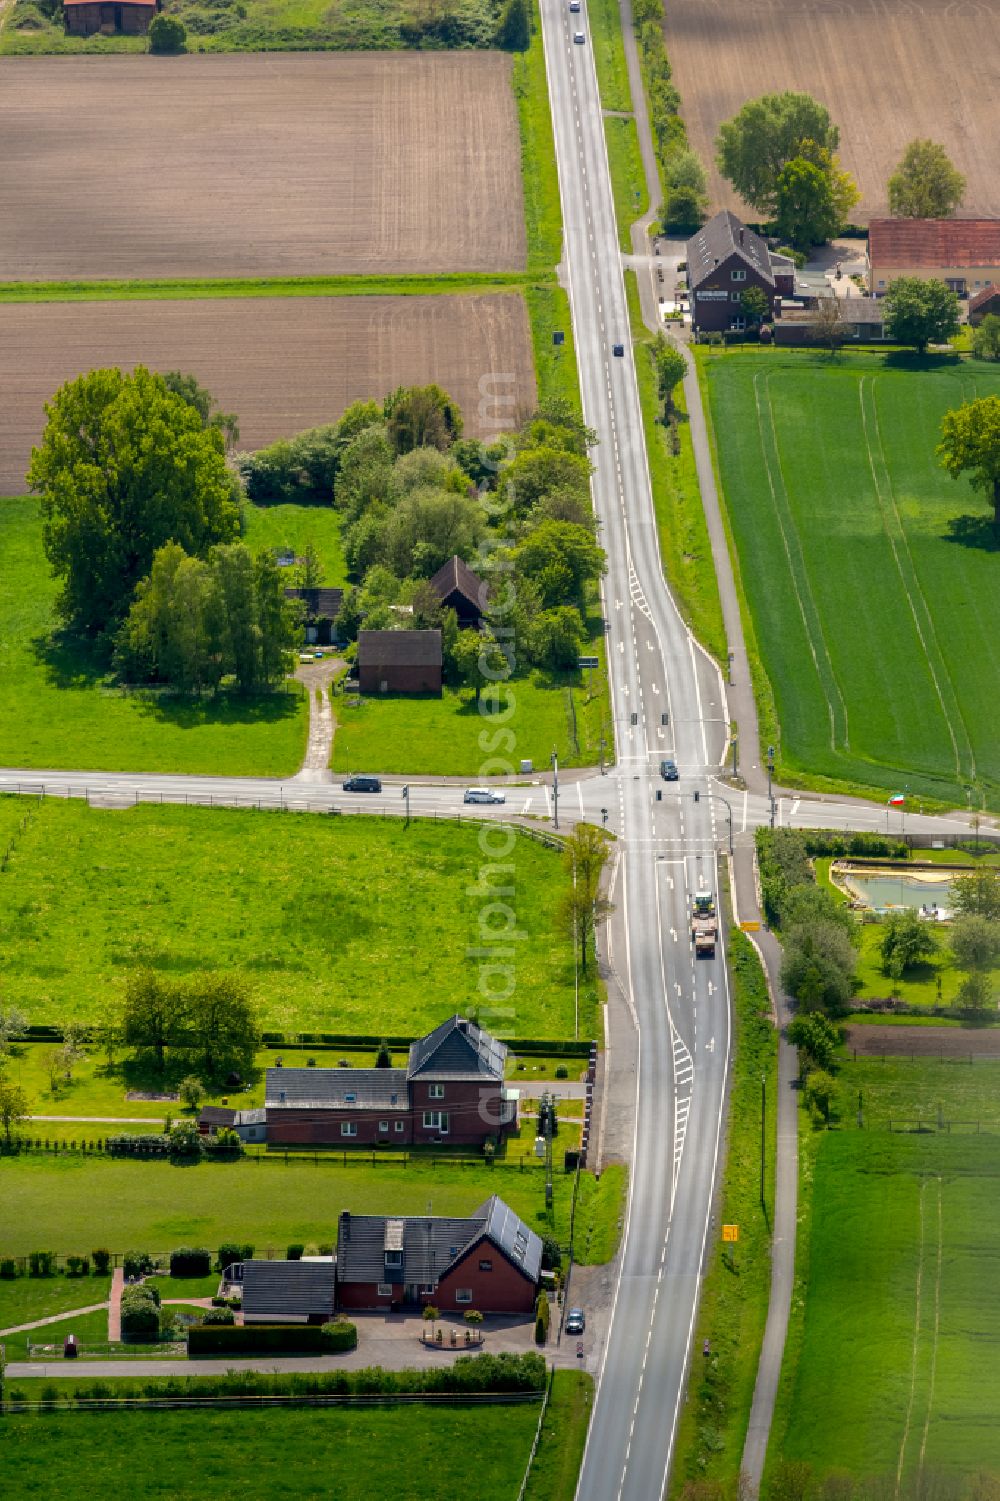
(574, 6)
(579, 37)
(483, 795)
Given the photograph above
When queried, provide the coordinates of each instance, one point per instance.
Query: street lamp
(770, 774)
(716, 797)
(555, 788)
(406, 795)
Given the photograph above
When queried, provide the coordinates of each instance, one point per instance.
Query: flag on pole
(897, 800)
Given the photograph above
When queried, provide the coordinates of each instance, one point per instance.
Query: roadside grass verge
(293, 526)
(453, 736)
(376, 1454)
(685, 549)
(605, 38)
(897, 1236)
(72, 1201)
(90, 1328)
(539, 173)
(559, 1455)
(316, 912)
(555, 364)
(734, 1295)
(628, 179)
(854, 549)
(62, 709)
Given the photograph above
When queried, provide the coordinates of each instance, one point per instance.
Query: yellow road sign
(750, 927)
(730, 1232)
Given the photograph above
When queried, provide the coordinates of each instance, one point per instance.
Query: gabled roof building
(451, 1092)
(461, 590)
(399, 661)
(963, 253)
(725, 259)
(490, 1261)
(289, 1292)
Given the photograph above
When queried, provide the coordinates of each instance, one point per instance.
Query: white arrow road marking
(710, 1045)
(711, 988)
(673, 934)
(527, 805)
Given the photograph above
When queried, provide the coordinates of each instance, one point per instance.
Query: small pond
(882, 889)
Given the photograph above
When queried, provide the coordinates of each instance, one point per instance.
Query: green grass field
(734, 1295)
(60, 708)
(892, 1357)
(680, 517)
(870, 576)
(23, 1299)
(564, 1433)
(375, 1454)
(452, 736)
(318, 913)
(290, 526)
(70, 1203)
(89, 1328)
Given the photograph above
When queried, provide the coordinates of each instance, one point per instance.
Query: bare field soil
(888, 71)
(252, 165)
(280, 364)
(924, 1042)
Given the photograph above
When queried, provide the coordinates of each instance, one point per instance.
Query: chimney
(741, 235)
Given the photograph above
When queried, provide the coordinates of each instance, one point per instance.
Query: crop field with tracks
(280, 364)
(887, 71)
(259, 165)
(870, 575)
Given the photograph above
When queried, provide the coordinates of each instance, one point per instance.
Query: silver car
(483, 795)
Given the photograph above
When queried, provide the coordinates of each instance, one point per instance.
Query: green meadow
(62, 709)
(353, 924)
(870, 576)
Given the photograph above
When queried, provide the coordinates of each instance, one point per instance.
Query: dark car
(668, 770)
(576, 1321)
(362, 784)
(618, 350)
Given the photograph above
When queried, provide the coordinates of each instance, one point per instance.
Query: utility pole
(770, 774)
(406, 795)
(730, 669)
(734, 740)
(602, 752)
(555, 789)
(543, 1142)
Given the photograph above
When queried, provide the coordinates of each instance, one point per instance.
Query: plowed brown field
(887, 70)
(280, 364)
(257, 165)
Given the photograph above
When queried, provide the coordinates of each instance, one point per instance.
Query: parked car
(579, 37)
(483, 795)
(362, 784)
(576, 1321)
(668, 769)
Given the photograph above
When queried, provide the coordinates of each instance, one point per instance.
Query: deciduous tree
(687, 190)
(986, 338)
(906, 941)
(514, 27)
(975, 942)
(560, 559)
(925, 185)
(754, 305)
(13, 1024)
(970, 444)
(422, 416)
(125, 466)
(977, 894)
(816, 1037)
(14, 1106)
(153, 1013)
(757, 143)
(819, 967)
(813, 198)
(671, 368)
(582, 906)
(920, 312)
(221, 1017)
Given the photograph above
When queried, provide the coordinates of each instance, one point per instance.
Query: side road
(742, 709)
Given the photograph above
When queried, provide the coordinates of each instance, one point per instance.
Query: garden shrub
(140, 1313)
(8, 1268)
(294, 1253)
(190, 1261)
(208, 1339)
(77, 1266)
(542, 1317)
(102, 1262)
(42, 1263)
(137, 1264)
(339, 1335)
(223, 1316)
(229, 1252)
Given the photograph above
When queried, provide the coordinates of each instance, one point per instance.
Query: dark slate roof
(216, 1115)
(456, 577)
(399, 648)
(289, 1288)
(719, 239)
(255, 1117)
(933, 244)
(328, 1088)
(321, 604)
(431, 1244)
(457, 1049)
(852, 310)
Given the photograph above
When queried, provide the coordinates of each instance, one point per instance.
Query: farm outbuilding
(125, 17)
(983, 304)
(461, 590)
(963, 253)
(399, 661)
(320, 610)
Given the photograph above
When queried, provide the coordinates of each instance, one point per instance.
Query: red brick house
(461, 590)
(724, 260)
(490, 1261)
(129, 17)
(983, 304)
(399, 661)
(451, 1092)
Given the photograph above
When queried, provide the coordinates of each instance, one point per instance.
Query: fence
(538, 1435)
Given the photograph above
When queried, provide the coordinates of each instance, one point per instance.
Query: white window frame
(486, 1264)
(385, 1289)
(348, 1128)
(738, 275)
(463, 1295)
(351, 1097)
(427, 1289)
(394, 1258)
(383, 1125)
(399, 1127)
(435, 1091)
(436, 1120)
(737, 325)
(735, 297)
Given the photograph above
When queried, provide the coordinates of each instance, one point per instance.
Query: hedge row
(502, 1373)
(543, 1046)
(298, 1339)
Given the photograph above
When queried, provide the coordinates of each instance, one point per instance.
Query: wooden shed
(124, 17)
(399, 661)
